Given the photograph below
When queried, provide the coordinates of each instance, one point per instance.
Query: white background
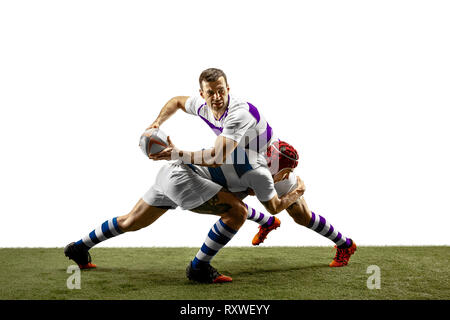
(360, 88)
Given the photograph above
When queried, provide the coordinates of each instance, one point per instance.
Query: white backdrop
(360, 88)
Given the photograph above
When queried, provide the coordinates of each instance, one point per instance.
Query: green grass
(261, 273)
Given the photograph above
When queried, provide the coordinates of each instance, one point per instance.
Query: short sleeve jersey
(241, 122)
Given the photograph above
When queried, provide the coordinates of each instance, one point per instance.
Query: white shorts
(177, 185)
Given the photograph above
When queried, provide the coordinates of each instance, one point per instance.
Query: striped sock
(219, 235)
(107, 230)
(321, 226)
(264, 220)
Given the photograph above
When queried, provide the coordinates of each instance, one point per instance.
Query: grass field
(261, 273)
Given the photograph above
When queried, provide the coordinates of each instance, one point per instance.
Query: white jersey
(240, 122)
(246, 167)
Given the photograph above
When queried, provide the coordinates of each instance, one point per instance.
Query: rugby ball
(152, 141)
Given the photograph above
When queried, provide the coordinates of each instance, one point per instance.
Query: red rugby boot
(343, 256)
(264, 231)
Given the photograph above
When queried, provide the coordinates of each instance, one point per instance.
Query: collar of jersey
(226, 111)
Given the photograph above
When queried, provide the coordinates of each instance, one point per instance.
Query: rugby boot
(264, 231)
(206, 274)
(343, 255)
(79, 255)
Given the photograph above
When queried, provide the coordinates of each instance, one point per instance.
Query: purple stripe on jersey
(216, 130)
(269, 133)
(223, 115)
(254, 112)
(260, 142)
(198, 111)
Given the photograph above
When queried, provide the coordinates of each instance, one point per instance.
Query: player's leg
(345, 247)
(232, 210)
(142, 215)
(300, 212)
(233, 214)
(190, 191)
(147, 210)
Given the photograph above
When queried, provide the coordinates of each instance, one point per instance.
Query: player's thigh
(222, 203)
(300, 212)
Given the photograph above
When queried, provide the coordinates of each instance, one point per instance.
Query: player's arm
(212, 157)
(235, 126)
(278, 204)
(172, 106)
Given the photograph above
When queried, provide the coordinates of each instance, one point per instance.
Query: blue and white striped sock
(264, 219)
(219, 235)
(105, 231)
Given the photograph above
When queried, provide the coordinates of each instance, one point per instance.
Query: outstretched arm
(213, 157)
(172, 106)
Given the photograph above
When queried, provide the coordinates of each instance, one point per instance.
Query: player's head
(282, 159)
(214, 88)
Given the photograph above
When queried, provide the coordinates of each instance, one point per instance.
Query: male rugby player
(236, 122)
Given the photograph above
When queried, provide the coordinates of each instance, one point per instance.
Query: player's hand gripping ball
(153, 141)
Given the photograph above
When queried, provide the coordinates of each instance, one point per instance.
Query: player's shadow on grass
(136, 279)
(142, 277)
(263, 270)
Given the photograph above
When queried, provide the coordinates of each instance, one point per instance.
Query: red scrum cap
(281, 155)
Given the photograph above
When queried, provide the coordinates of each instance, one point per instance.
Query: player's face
(282, 175)
(215, 93)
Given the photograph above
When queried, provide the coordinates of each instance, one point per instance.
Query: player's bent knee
(242, 211)
(238, 211)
